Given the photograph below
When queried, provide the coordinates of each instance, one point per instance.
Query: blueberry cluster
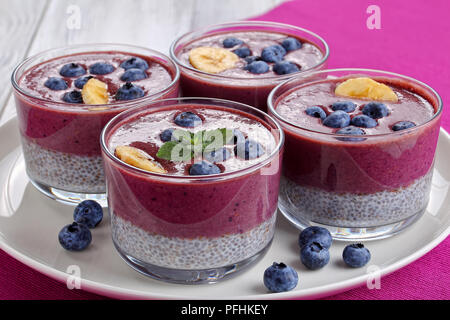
(77, 236)
(271, 55)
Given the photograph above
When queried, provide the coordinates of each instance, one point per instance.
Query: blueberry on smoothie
(188, 119)
(72, 70)
(291, 44)
(80, 82)
(316, 112)
(249, 150)
(403, 125)
(89, 213)
(257, 67)
(203, 168)
(314, 256)
(166, 135)
(54, 83)
(251, 59)
(133, 74)
(375, 110)
(238, 137)
(273, 53)
(353, 131)
(218, 155)
(337, 119)
(75, 237)
(285, 67)
(364, 121)
(134, 63)
(356, 255)
(73, 97)
(231, 42)
(242, 52)
(315, 234)
(279, 277)
(129, 92)
(101, 68)
(346, 106)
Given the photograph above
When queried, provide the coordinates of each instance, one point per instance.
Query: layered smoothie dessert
(179, 178)
(244, 61)
(360, 148)
(64, 98)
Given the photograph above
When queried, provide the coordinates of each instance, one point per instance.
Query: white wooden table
(30, 26)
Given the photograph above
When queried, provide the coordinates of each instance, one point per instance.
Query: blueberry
(402, 125)
(280, 277)
(257, 67)
(101, 68)
(133, 75)
(89, 213)
(285, 67)
(238, 137)
(129, 92)
(338, 119)
(166, 135)
(316, 112)
(73, 97)
(55, 83)
(356, 255)
(75, 237)
(80, 82)
(188, 119)
(72, 70)
(203, 168)
(350, 130)
(251, 59)
(314, 256)
(346, 106)
(249, 150)
(231, 42)
(273, 53)
(218, 155)
(315, 234)
(364, 121)
(291, 44)
(242, 52)
(375, 110)
(134, 63)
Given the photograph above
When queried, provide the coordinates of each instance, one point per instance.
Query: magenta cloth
(414, 40)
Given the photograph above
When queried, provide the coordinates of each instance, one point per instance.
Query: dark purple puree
(75, 128)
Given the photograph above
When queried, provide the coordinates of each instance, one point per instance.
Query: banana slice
(95, 92)
(138, 158)
(212, 60)
(365, 88)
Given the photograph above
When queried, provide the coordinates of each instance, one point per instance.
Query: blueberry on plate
(285, 67)
(314, 256)
(251, 59)
(316, 112)
(166, 135)
(101, 68)
(242, 52)
(55, 83)
(75, 237)
(129, 92)
(257, 67)
(249, 150)
(73, 97)
(346, 106)
(218, 155)
(89, 213)
(364, 121)
(403, 125)
(188, 119)
(315, 234)
(280, 277)
(337, 119)
(356, 255)
(231, 42)
(291, 44)
(351, 130)
(133, 74)
(134, 63)
(72, 70)
(273, 53)
(375, 110)
(80, 82)
(203, 168)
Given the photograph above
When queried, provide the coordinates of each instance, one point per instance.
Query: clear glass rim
(272, 109)
(91, 47)
(249, 23)
(206, 178)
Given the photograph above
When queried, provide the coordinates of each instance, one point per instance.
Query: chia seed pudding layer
(196, 253)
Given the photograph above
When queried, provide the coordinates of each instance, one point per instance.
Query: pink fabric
(413, 40)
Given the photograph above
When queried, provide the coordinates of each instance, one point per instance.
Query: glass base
(70, 198)
(199, 276)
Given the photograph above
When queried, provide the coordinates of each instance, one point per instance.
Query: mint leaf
(175, 151)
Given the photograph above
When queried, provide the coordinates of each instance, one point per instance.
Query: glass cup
(368, 187)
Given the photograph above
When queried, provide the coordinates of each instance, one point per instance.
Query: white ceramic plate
(30, 222)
